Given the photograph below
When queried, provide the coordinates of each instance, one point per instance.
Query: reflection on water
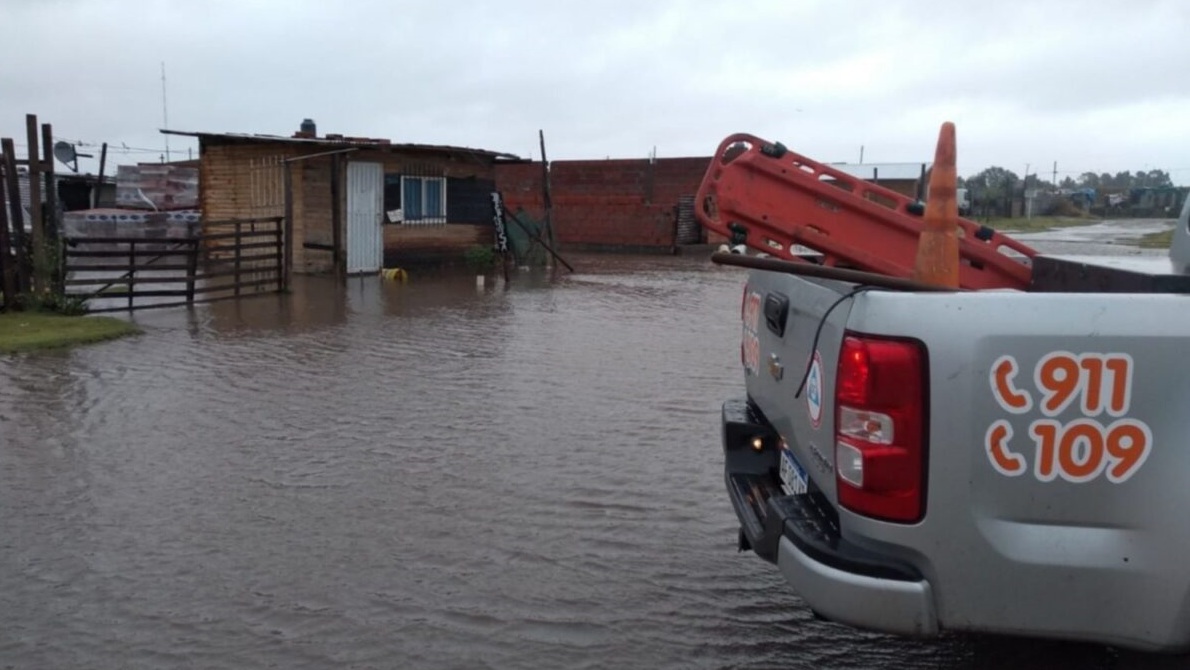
(427, 474)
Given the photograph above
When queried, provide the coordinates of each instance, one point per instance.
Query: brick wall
(606, 203)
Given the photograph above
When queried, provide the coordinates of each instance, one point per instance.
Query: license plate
(793, 476)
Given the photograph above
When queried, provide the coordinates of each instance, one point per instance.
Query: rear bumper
(800, 533)
(889, 605)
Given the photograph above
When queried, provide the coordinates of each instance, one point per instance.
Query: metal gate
(365, 200)
(228, 259)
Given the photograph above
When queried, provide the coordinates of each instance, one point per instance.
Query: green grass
(32, 331)
(1160, 240)
(1036, 224)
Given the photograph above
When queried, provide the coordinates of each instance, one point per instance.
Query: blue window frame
(423, 199)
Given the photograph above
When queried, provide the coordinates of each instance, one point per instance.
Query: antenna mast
(164, 111)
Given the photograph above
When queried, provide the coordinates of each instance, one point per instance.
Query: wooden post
(286, 232)
(38, 223)
(191, 270)
(282, 287)
(131, 271)
(238, 242)
(95, 192)
(282, 271)
(17, 213)
(8, 276)
(51, 188)
(53, 229)
(337, 215)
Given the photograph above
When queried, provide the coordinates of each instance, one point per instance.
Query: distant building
(357, 204)
(904, 178)
(74, 192)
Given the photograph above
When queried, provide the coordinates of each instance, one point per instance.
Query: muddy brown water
(426, 475)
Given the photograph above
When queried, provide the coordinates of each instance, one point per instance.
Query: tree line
(998, 191)
(997, 181)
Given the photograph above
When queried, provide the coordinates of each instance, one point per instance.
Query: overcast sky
(1096, 85)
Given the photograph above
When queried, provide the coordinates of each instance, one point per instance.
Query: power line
(111, 148)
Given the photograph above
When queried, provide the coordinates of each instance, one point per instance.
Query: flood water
(427, 475)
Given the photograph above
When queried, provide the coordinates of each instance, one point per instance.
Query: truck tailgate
(789, 341)
(1057, 460)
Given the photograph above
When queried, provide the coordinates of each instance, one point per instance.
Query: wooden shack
(352, 204)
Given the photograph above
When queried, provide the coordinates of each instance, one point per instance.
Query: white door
(365, 204)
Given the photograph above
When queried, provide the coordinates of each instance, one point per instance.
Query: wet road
(411, 476)
(1108, 237)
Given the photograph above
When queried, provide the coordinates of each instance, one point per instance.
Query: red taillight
(880, 422)
(855, 367)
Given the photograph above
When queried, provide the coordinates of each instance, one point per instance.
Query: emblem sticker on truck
(1083, 448)
(750, 346)
(814, 391)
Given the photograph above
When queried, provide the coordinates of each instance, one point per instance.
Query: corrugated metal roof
(336, 141)
(883, 171)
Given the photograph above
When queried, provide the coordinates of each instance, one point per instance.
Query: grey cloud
(615, 78)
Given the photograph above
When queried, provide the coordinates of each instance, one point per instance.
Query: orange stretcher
(771, 199)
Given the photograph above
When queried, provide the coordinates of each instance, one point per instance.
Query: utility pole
(1055, 173)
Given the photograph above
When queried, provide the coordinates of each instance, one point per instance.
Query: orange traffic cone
(938, 246)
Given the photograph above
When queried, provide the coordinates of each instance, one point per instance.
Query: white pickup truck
(1004, 461)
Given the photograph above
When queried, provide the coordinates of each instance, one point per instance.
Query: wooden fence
(229, 259)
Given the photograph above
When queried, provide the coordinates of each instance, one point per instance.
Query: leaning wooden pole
(537, 238)
(545, 193)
